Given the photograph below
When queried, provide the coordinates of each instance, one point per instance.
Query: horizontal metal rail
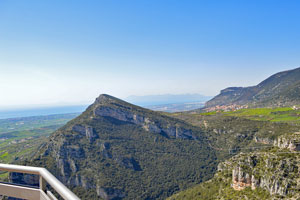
(44, 175)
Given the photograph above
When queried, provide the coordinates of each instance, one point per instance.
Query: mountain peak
(115, 137)
(105, 98)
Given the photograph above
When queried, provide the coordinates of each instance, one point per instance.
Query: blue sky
(69, 52)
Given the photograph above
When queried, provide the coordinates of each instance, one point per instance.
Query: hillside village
(234, 107)
(226, 108)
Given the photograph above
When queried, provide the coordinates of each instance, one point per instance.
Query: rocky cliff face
(263, 140)
(86, 131)
(148, 124)
(109, 107)
(276, 171)
(291, 142)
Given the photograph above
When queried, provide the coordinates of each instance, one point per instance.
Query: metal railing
(31, 193)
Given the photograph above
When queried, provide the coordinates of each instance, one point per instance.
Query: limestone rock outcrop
(276, 173)
(148, 124)
(291, 142)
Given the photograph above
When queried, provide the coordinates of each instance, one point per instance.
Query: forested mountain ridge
(115, 150)
(281, 89)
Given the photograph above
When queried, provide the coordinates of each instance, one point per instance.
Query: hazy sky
(69, 52)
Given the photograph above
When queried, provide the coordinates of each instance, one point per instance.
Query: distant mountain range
(176, 107)
(151, 100)
(281, 89)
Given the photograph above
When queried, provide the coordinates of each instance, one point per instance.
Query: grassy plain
(20, 137)
(285, 114)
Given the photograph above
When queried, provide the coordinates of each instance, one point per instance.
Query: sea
(15, 113)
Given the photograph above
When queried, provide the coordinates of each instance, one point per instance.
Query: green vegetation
(220, 188)
(21, 137)
(208, 113)
(29, 123)
(229, 132)
(4, 155)
(4, 176)
(244, 131)
(266, 166)
(284, 114)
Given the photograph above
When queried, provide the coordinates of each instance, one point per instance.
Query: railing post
(42, 184)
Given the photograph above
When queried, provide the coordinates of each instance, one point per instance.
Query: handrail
(46, 175)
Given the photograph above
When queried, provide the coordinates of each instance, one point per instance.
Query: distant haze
(148, 100)
(29, 112)
(166, 99)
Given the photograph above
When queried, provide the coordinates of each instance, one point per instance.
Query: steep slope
(267, 174)
(229, 135)
(290, 96)
(280, 89)
(116, 150)
(268, 168)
